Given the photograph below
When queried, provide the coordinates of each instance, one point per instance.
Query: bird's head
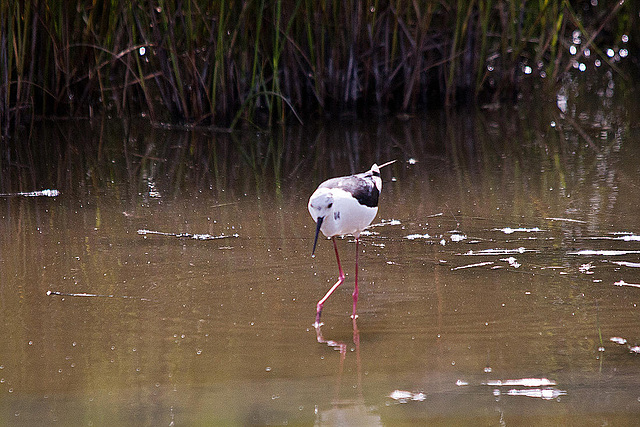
(320, 205)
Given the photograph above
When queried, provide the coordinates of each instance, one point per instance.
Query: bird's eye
(330, 204)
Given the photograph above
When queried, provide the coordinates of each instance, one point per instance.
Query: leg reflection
(351, 409)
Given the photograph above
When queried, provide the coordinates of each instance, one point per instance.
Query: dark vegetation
(224, 62)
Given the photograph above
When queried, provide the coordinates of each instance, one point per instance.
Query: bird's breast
(347, 216)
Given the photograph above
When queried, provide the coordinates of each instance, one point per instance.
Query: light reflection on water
(491, 261)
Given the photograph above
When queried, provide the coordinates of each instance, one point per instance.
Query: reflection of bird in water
(345, 205)
(352, 411)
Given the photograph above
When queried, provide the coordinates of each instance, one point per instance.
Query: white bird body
(341, 206)
(345, 216)
(348, 204)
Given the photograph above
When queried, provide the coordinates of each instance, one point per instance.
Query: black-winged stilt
(345, 205)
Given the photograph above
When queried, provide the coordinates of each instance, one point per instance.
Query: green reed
(265, 61)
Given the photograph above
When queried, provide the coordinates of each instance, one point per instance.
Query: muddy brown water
(171, 283)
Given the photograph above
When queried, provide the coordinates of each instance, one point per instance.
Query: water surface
(171, 282)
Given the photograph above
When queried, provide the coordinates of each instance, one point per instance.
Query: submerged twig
(623, 283)
(39, 193)
(83, 294)
(188, 235)
(480, 264)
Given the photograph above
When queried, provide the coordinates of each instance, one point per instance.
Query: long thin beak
(315, 240)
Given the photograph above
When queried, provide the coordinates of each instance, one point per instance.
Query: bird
(341, 206)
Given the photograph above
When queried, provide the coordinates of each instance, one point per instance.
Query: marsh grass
(225, 62)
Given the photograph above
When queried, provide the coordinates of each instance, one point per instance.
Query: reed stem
(255, 61)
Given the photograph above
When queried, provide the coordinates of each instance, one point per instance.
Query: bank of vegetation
(221, 63)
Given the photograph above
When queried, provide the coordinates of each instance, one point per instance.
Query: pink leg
(333, 288)
(355, 290)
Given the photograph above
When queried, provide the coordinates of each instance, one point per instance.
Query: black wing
(361, 186)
